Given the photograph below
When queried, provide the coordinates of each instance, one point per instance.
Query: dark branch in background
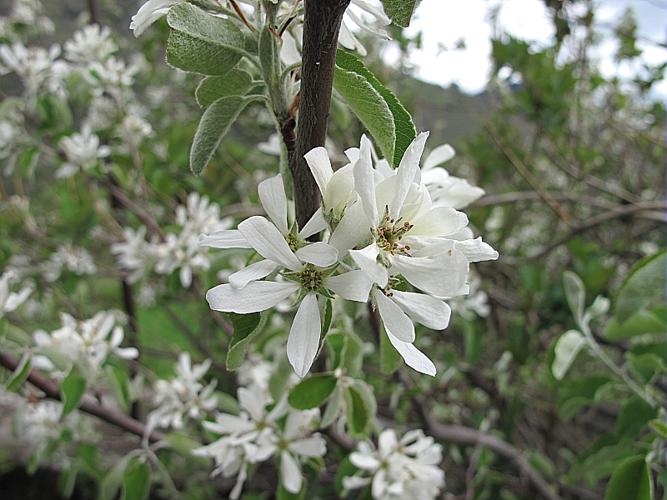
(322, 19)
(88, 403)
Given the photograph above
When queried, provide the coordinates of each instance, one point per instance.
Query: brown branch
(88, 404)
(322, 20)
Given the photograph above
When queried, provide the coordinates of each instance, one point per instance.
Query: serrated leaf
(644, 287)
(136, 481)
(72, 390)
(312, 392)
(235, 82)
(20, 374)
(213, 126)
(565, 352)
(575, 293)
(376, 106)
(400, 11)
(631, 480)
(246, 326)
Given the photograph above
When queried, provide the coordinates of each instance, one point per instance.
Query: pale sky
(444, 22)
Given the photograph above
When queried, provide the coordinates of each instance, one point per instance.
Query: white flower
(86, 344)
(83, 151)
(90, 44)
(307, 268)
(37, 67)
(70, 258)
(256, 434)
(473, 304)
(111, 75)
(367, 15)
(405, 468)
(134, 129)
(134, 253)
(10, 301)
(184, 396)
(181, 252)
(150, 12)
(447, 190)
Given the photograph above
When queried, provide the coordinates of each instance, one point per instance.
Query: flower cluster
(85, 344)
(68, 258)
(384, 239)
(138, 256)
(396, 469)
(260, 431)
(182, 397)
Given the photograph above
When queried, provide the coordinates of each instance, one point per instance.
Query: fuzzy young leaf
(72, 390)
(312, 392)
(643, 288)
(400, 11)
(631, 480)
(567, 347)
(358, 414)
(20, 374)
(198, 56)
(575, 293)
(235, 83)
(136, 481)
(213, 126)
(375, 105)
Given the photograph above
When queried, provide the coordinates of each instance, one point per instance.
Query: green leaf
(136, 480)
(120, 384)
(575, 293)
(312, 392)
(67, 480)
(20, 374)
(213, 126)
(328, 316)
(640, 323)
(246, 327)
(202, 43)
(644, 287)
(72, 390)
(631, 480)
(196, 56)
(358, 414)
(565, 352)
(400, 11)
(210, 89)
(111, 483)
(376, 106)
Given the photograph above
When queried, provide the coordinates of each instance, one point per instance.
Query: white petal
(424, 309)
(229, 424)
(476, 250)
(320, 166)
(353, 285)
(320, 254)
(304, 336)
(272, 196)
(315, 225)
(407, 173)
(340, 189)
(254, 297)
(252, 402)
(395, 320)
(439, 221)
(364, 461)
(364, 181)
(412, 356)
(253, 272)
(438, 156)
(352, 229)
(366, 259)
(269, 242)
(150, 12)
(442, 276)
(290, 473)
(313, 446)
(227, 238)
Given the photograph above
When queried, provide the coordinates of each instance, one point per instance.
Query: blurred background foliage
(573, 166)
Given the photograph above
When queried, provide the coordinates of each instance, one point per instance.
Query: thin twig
(88, 404)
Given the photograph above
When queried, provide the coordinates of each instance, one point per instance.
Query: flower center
(390, 232)
(310, 278)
